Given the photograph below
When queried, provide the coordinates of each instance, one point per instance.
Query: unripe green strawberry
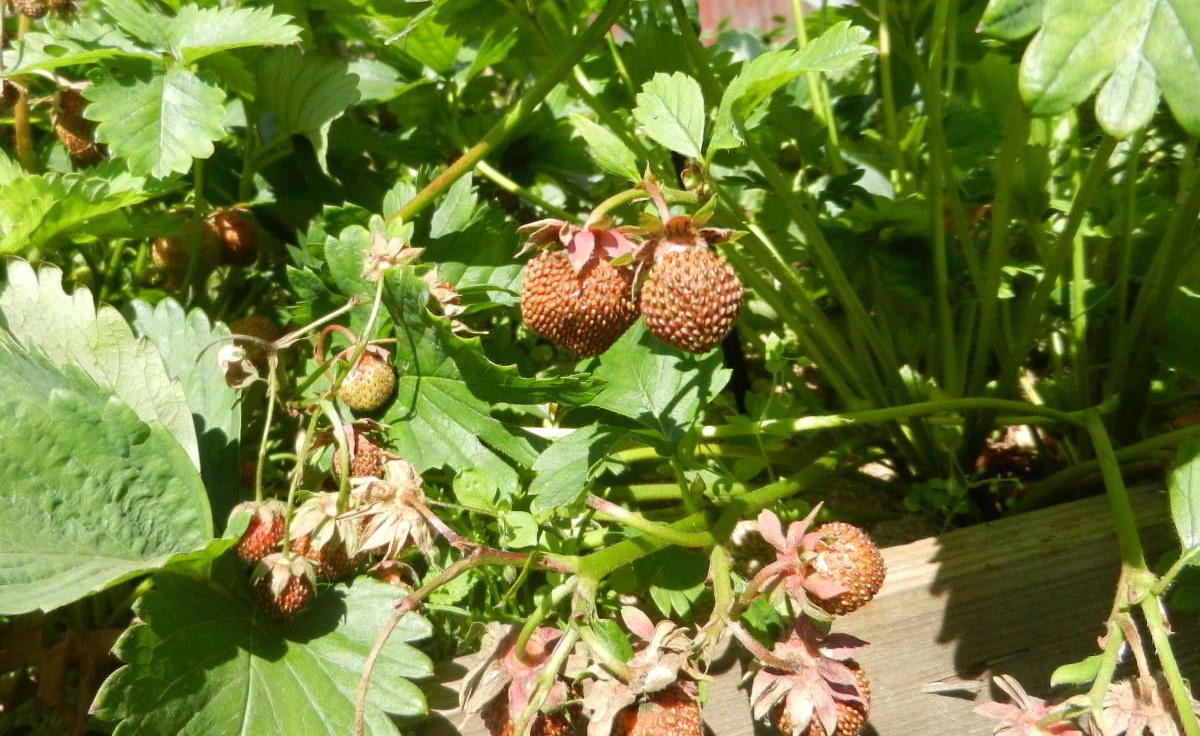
(236, 234)
(369, 384)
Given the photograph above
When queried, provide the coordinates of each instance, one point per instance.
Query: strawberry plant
(579, 343)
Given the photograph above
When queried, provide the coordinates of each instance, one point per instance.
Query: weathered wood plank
(1021, 595)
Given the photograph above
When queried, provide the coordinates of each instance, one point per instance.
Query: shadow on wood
(1020, 596)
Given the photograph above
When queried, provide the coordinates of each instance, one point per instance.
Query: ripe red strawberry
(690, 298)
(73, 130)
(284, 584)
(173, 253)
(265, 531)
(31, 8)
(847, 555)
(670, 712)
(496, 720)
(332, 561)
(254, 325)
(369, 384)
(851, 717)
(584, 312)
(236, 234)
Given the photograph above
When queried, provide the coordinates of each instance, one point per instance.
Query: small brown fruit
(848, 556)
(9, 94)
(691, 298)
(670, 712)
(236, 234)
(74, 130)
(584, 312)
(173, 253)
(852, 717)
(496, 720)
(31, 8)
(254, 325)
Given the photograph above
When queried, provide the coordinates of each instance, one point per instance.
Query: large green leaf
(563, 469)
(71, 332)
(608, 151)
(36, 209)
(204, 661)
(302, 94)
(670, 109)
(196, 32)
(1133, 51)
(441, 416)
(84, 41)
(661, 388)
(94, 495)
(158, 122)
(188, 345)
(759, 78)
(1184, 486)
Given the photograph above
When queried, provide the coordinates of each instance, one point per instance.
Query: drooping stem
(272, 397)
(548, 602)
(547, 678)
(500, 132)
(365, 339)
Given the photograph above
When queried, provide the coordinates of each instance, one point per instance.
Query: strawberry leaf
(205, 660)
(456, 209)
(1184, 486)
(157, 122)
(661, 388)
(609, 152)
(441, 415)
(74, 335)
(670, 109)
(94, 495)
(302, 94)
(1132, 51)
(84, 41)
(185, 342)
(197, 32)
(563, 469)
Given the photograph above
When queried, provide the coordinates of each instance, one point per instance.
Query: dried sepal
(391, 511)
(385, 254)
(1025, 715)
(496, 670)
(583, 245)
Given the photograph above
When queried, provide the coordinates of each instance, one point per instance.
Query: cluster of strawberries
(589, 284)
(807, 684)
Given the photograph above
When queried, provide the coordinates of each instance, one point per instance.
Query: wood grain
(1022, 596)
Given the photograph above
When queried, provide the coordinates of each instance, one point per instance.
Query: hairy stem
(529, 102)
(272, 397)
(609, 511)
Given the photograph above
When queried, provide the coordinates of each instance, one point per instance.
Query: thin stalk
(1111, 656)
(547, 677)
(22, 131)
(609, 511)
(899, 177)
(1187, 559)
(272, 397)
(500, 132)
(343, 446)
(548, 603)
(365, 339)
(891, 413)
(1056, 262)
(510, 186)
(1128, 221)
(1079, 322)
(1159, 634)
(818, 90)
(310, 433)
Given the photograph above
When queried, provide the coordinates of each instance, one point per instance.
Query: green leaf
(139, 20)
(302, 94)
(380, 82)
(563, 468)
(186, 343)
(445, 389)
(1179, 345)
(670, 109)
(430, 43)
(344, 256)
(475, 489)
(494, 48)
(94, 494)
(1077, 673)
(1011, 19)
(37, 209)
(676, 579)
(158, 122)
(662, 388)
(73, 334)
(456, 209)
(1130, 49)
(204, 660)
(609, 152)
(614, 638)
(1183, 484)
(759, 78)
(519, 530)
(481, 256)
(197, 32)
(84, 41)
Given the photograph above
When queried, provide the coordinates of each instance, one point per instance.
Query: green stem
(298, 476)
(891, 413)
(609, 511)
(634, 194)
(548, 603)
(1187, 559)
(1079, 322)
(272, 397)
(600, 564)
(899, 177)
(1048, 491)
(546, 679)
(1111, 656)
(343, 446)
(512, 187)
(818, 90)
(364, 339)
(500, 132)
(1170, 667)
(1128, 222)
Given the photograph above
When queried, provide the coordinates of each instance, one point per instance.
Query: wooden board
(1022, 596)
